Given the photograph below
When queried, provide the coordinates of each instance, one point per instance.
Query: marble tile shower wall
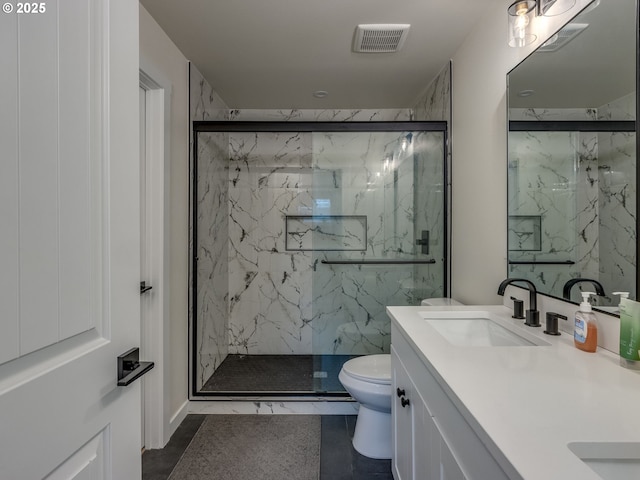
(348, 300)
(435, 102)
(298, 115)
(617, 203)
(269, 287)
(287, 301)
(430, 213)
(213, 225)
(433, 105)
(551, 219)
(577, 184)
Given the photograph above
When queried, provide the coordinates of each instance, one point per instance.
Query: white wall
(158, 51)
(479, 149)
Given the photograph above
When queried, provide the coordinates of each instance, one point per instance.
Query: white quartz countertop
(531, 401)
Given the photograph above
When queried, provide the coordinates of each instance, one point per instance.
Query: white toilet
(368, 380)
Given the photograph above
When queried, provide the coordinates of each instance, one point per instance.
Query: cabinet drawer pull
(400, 392)
(404, 402)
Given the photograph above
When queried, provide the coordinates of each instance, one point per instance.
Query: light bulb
(519, 13)
(520, 26)
(522, 20)
(521, 8)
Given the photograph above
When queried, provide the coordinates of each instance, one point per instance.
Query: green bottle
(629, 333)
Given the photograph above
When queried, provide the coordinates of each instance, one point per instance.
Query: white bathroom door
(69, 240)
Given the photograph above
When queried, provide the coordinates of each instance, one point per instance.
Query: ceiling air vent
(380, 38)
(563, 37)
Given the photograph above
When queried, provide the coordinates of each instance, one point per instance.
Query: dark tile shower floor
(277, 374)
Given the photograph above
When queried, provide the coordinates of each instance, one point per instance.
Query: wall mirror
(572, 177)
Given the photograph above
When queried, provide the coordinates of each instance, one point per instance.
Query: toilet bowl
(368, 381)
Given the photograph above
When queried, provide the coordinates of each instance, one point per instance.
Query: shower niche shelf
(326, 232)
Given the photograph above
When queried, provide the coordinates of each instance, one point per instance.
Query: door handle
(130, 368)
(144, 287)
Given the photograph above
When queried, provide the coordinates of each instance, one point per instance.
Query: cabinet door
(449, 467)
(402, 421)
(426, 446)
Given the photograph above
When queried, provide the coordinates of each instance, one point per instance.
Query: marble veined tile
(282, 301)
(212, 226)
(603, 243)
(295, 115)
(205, 103)
(533, 114)
(322, 232)
(621, 109)
(435, 102)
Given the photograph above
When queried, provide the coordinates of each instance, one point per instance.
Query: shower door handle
(423, 241)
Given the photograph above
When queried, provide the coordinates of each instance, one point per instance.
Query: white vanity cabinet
(414, 432)
(430, 437)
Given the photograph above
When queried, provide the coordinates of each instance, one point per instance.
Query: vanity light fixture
(522, 12)
(520, 15)
(551, 8)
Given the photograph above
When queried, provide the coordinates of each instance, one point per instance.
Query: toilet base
(372, 437)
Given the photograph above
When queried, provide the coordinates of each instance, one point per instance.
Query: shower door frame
(230, 126)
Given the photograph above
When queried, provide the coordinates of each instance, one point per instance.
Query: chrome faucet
(532, 316)
(566, 290)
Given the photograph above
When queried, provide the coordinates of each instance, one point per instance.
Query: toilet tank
(434, 302)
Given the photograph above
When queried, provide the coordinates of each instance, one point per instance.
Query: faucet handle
(552, 323)
(518, 308)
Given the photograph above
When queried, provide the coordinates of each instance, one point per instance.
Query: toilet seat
(370, 368)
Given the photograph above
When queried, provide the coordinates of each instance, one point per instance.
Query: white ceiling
(273, 54)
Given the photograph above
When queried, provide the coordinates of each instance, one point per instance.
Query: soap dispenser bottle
(585, 330)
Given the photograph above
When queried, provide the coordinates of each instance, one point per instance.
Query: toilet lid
(370, 368)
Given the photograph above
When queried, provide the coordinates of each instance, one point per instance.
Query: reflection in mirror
(572, 194)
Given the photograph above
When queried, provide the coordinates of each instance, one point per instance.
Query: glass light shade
(520, 15)
(551, 8)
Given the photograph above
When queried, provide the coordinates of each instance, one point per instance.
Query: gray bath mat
(253, 447)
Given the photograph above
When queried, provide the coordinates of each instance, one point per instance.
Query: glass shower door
(378, 235)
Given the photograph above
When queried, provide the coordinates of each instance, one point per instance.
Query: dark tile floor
(158, 464)
(277, 373)
(338, 459)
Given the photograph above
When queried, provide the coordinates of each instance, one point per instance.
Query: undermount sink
(610, 460)
(478, 329)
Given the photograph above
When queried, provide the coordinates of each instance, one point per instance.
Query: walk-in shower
(302, 234)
